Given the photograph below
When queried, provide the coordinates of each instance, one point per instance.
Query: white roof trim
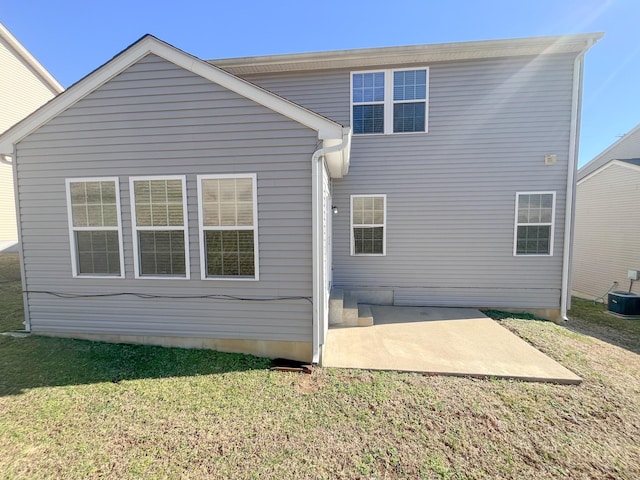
(610, 163)
(601, 158)
(407, 55)
(31, 61)
(327, 129)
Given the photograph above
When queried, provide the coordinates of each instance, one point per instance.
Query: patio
(441, 341)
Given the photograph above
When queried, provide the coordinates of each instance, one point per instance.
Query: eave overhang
(413, 54)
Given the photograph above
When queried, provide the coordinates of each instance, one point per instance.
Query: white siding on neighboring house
(21, 92)
(451, 191)
(607, 230)
(158, 119)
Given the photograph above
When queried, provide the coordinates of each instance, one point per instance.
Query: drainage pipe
(569, 210)
(317, 163)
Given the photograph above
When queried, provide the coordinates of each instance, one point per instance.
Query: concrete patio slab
(443, 341)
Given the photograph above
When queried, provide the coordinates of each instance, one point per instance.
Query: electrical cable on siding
(172, 297)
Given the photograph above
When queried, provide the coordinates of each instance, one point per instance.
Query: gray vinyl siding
(606, 231)
(451, 192)
(157, 119)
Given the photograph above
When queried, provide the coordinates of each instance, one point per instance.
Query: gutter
(567, 252)
(317, 162)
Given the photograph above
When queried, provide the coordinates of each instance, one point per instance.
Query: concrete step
(350, 310)
(336, 302)
(365, 317)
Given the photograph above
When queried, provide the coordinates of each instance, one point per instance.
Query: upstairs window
(368, 224)
(389, 101)
(535, 213)
(160, 227)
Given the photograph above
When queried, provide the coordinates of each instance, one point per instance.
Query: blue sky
(71, 38)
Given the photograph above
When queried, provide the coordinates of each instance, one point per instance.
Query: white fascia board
(327, 129)
(37, 67)
(610, 163)
(367, 58)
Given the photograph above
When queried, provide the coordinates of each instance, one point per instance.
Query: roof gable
(628, 146)
(326, 128)
(632, 164)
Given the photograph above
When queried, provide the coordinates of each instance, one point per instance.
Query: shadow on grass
(591, 320)
(35, 361)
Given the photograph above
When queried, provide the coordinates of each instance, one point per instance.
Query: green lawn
(76, 409)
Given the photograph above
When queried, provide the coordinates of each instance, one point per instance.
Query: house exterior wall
(21, 92)
(606, 231)
(158, 119)
(451, 192)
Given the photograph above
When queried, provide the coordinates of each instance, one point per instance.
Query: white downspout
(4, 158)
(316, 228)
(570, 199)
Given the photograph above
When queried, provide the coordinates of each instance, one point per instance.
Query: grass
(11, 307)
(78, 409)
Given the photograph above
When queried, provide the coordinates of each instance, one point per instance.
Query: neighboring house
(168, 200)
(24, 86)
(607, 225)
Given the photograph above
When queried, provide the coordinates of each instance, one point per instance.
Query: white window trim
(202, 228)
(72, 229)
(389, 102)
(383, 225)
(516, 224)
(135, 229)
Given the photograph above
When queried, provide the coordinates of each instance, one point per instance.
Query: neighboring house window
(95, 228)
(389, 101)
(228, 226)
(159, 220)
(535, 213)
(368, 224)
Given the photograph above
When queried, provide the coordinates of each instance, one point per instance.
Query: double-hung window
(95, 227)
(228, 226)
(535, 214)
(159, 217)
(368, 224)
(389, 101)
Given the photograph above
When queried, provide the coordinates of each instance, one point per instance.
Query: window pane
(93, 204)
(227, 202)
(158, 203)
(368, 210)
(162, 253)
(409, 117)
(368, 119)
(533, 240)
(98, 252)
(368, 87)
(410, 85)
(368, 240)
(78, 193)
(535, 208)
(230, 253)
